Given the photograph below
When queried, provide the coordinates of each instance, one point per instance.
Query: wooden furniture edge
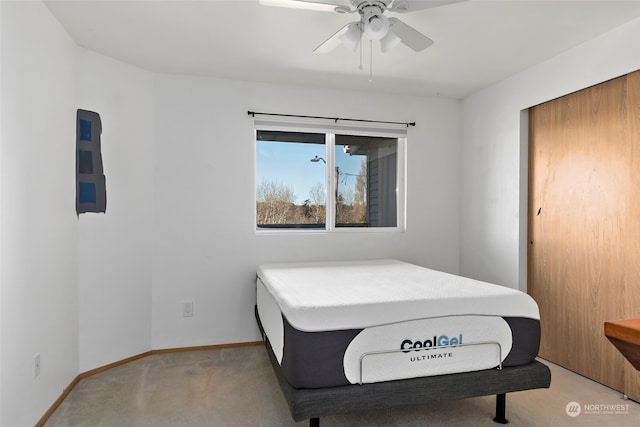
(83, 375)
(624, 330)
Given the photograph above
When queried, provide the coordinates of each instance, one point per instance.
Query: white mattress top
(322, 296)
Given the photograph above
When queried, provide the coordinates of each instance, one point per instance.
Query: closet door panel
(580, 172)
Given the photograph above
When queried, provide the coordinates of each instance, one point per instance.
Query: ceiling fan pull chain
(360, 67)
(370, 61)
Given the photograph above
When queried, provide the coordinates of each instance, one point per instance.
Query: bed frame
(314, 403)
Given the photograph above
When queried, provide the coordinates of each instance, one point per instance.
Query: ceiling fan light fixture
(376, 27)
(389, 41)
(351, 37)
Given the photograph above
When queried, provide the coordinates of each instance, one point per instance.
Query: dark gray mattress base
(315, 403)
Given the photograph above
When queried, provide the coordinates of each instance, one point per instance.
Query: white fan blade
(341, 36)
(404, 6)
(409, 36)
(322, 6)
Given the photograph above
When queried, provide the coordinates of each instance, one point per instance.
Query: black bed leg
(501, 409)
(314, 422)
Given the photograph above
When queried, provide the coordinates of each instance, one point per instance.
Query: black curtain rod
(254, 113)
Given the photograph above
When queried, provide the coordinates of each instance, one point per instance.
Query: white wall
(205, 246)
(494, 153)
(38, 223)
(75, 290)
(114, 264)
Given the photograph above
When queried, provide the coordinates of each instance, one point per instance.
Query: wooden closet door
(632, 267)
(583, 228)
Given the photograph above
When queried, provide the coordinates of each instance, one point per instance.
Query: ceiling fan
(373, 23)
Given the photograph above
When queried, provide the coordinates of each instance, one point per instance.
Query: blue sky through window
(290, 164)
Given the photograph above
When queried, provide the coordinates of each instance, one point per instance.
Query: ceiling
(477, 42)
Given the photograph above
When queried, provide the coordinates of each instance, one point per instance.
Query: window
(290, 189)
(366, 198)
(328, 180)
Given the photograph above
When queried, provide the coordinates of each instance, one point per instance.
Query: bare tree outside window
(274, 202)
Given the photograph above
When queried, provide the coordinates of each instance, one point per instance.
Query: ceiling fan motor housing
(359, 4)
(376, 25)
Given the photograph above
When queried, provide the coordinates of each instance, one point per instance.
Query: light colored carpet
(237, 387)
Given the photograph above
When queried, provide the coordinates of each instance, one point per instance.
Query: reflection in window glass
(365, 182)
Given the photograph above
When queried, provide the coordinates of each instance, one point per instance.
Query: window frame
(330, 130)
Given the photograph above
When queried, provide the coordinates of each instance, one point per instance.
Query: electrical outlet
(36, 365)
(187, 308)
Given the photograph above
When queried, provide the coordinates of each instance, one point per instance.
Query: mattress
(347, 322)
